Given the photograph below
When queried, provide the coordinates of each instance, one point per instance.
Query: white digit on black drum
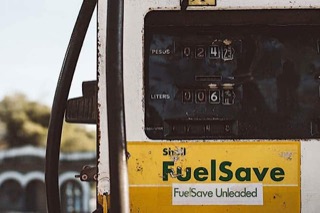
(186, 52)
(187, 96)
(214, 97)
(228, 96)
(200, 96)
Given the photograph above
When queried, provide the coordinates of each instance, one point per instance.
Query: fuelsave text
(223, 171)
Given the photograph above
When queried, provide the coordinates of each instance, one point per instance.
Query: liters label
(217, 194)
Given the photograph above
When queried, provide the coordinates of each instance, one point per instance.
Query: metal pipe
(119, 189)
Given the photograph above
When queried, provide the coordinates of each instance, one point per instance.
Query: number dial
(200, 52)
(214, 97)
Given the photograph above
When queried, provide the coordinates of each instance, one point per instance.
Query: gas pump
(207, 106)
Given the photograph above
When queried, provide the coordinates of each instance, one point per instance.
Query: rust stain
(177, 153)
(139, 167)
(275, 196)
(286, 155)
(284, 205)
(128, 155)
(227, 41)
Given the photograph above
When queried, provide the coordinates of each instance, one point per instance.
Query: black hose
(119, 197)
(60, 102)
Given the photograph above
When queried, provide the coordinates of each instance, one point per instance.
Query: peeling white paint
(103, 161)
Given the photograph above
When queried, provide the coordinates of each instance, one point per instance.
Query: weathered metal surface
(103, 155)
(135, 11)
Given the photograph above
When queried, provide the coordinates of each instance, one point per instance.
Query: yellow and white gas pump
(221, 105)
(218, 110)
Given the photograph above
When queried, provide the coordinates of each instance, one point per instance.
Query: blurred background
(34, 35)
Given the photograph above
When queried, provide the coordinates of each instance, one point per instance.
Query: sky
(34, 35)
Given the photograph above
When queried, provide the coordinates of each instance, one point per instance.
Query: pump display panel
(236, 79)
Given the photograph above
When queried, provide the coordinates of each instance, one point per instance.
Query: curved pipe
(60, 102)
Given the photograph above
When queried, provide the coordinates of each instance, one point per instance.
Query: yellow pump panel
(215, 177)
(202, 2)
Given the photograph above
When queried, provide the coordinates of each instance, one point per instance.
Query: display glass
(232, 81)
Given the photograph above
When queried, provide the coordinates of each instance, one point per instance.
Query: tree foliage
(25, 122)
(76, 138)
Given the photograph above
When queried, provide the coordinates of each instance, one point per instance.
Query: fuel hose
(60, 102)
